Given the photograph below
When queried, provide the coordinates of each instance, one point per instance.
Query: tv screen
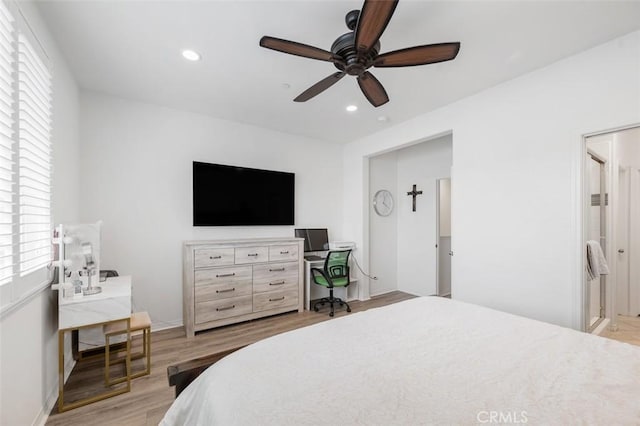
(314, 239)
(234, 196)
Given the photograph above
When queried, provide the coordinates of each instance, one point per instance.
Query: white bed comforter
(423, 361)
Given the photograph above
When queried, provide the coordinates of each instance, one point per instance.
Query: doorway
(404, 243)
(612, 218)
(598, 204)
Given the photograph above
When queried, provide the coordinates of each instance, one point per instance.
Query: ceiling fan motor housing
(351, 62)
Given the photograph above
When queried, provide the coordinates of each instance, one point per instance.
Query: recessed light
(352, 108)
(191, 55)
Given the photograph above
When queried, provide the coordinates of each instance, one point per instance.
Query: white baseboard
(43, 416)
(601, 326)
(385, 291)
(166, 325)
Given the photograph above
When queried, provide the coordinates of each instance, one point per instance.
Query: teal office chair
(335, 273)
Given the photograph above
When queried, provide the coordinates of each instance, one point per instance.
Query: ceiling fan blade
(295, 48)
(319, 87)
(419, 55)
(372, 89)
(373, 19)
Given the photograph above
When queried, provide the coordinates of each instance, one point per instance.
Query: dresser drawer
(251, 255)
(218, 309)
(213, 257)
(283, 253)
(278, 283)
(274, 271)
(223, 290)
(228, 275)
(275, 300)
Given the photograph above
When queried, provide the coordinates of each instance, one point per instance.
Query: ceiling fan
(355, 52)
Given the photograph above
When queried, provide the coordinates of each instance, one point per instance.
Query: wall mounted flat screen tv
(239, 196)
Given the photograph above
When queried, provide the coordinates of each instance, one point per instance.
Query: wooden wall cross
(414, 193)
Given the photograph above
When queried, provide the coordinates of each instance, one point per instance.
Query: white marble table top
(113, 303)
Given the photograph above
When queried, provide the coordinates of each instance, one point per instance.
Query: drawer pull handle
(276, 270)
(277, 299)
(215, 257)
(226, 308)
(225, 275)
(278, 283)
(284, 252)
(252, 254)
(226, 291)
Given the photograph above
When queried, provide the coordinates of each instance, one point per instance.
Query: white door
(444, 237)
(634, 242)
(622, 244)
(417, 255)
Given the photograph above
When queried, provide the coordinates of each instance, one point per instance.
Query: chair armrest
(316, 271)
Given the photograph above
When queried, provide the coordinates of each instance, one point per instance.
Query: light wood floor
(628, 330)
(151, 396)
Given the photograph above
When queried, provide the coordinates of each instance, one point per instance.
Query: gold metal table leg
(62, 407)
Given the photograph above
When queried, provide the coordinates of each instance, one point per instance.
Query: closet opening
(410, 227)
(611, 212)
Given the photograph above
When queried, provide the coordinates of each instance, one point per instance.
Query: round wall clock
(383, 202)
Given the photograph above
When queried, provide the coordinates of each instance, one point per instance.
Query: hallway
(628, 330)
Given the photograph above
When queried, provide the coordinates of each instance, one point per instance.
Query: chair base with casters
(140, 322)
(331, 301)
(335, 273)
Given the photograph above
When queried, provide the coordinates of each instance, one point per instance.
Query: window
(25, 162)
(7, 185)
(34, 130)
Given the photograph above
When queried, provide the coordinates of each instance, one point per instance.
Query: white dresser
(229, 281)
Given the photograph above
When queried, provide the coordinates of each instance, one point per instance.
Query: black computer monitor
(314, 239)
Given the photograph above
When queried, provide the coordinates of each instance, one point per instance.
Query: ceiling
(132, 49)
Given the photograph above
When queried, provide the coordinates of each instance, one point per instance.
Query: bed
(427, 360)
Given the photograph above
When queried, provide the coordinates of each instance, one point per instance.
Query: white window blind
(34, 129)
(7, 186)
(25, 160)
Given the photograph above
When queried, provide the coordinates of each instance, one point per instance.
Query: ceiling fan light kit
(353, 53)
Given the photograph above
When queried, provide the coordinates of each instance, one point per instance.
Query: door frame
(364, 286)
(604, 229)
(611, 310)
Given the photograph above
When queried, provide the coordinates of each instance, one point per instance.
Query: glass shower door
(597, 210)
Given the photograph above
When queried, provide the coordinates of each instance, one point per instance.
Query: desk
(112, 305)
(313, 292)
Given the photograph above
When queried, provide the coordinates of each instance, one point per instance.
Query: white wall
(420, 165)
(383, 231)
(136, 177)
(628, 147)
(517, 159)
(28, 333)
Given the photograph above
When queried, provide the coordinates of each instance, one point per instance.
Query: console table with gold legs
(111, 306)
